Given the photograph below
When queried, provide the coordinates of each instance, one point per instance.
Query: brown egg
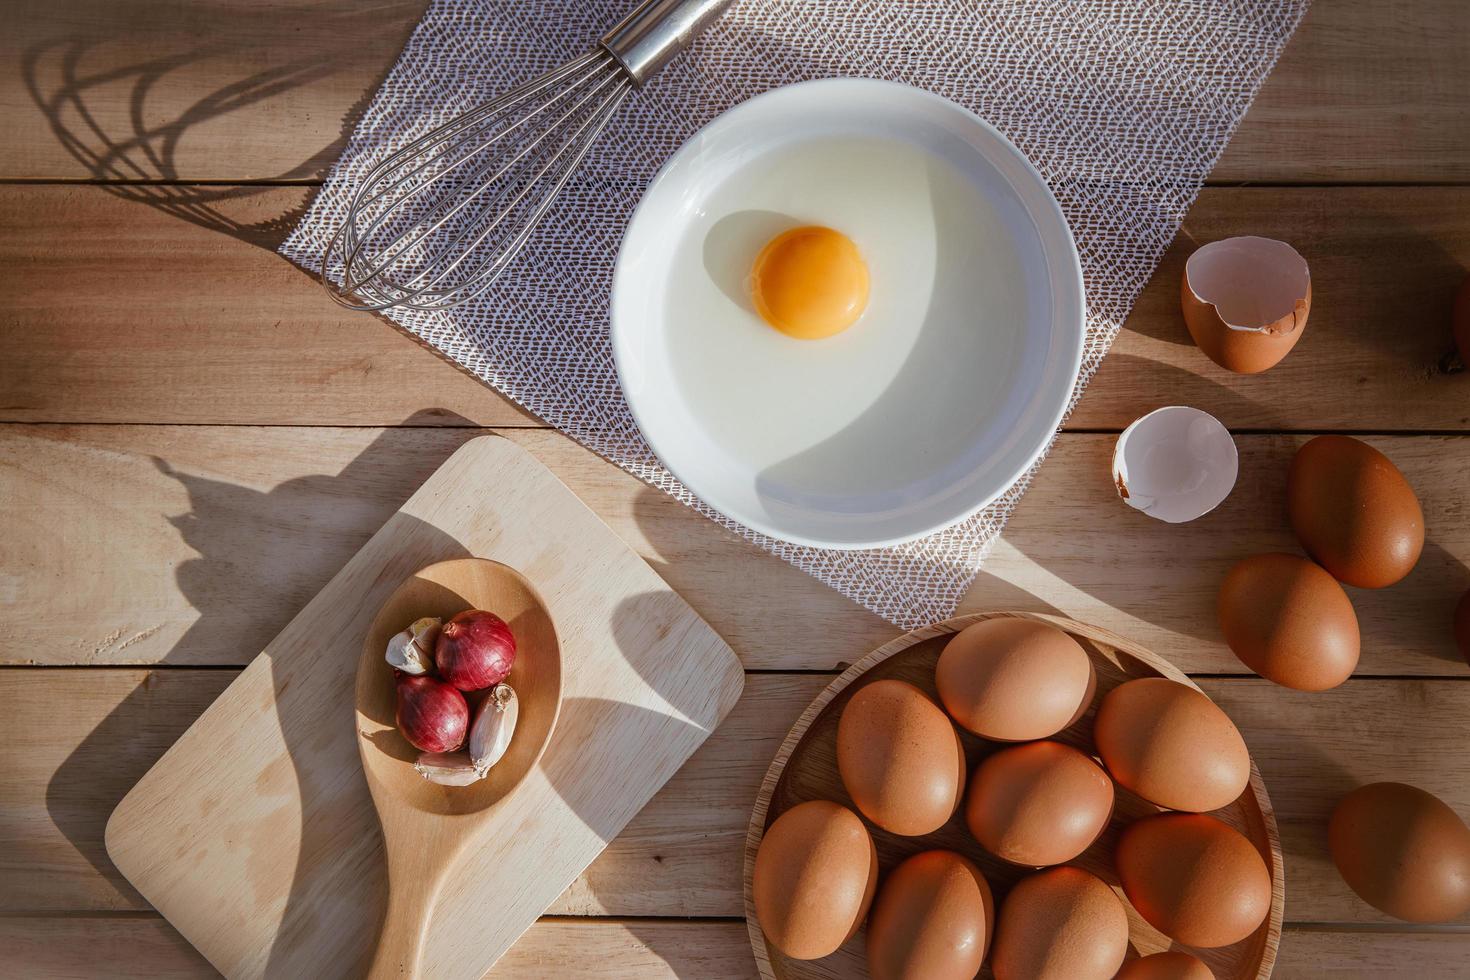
(1060, 924)
(1193, 878)
(1354, 512)
(1014, 680)
(900, 758)
(1246, 301)
(815, 875)
(1461, 320)
(1171, 745)
(1462, 626)
(1038, 804)
(1403, 851)
(1289, 621)
(932, 920)
(1171, 965)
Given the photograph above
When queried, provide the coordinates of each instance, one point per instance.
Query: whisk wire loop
(436, 222)
(454, 248)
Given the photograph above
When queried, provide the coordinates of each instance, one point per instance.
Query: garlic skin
(412, 650)
(491, 731)
(448, 768)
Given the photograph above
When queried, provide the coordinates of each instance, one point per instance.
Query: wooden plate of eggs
(1017, 796)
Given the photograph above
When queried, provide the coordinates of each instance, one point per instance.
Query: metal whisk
(438, 221)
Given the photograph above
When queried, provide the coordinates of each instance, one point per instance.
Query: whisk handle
(649, 37)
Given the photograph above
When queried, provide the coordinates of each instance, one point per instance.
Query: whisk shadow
(74, 81)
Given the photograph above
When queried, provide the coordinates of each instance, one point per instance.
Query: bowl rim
(1064, 271)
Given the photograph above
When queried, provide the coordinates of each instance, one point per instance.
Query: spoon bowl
(425, 825)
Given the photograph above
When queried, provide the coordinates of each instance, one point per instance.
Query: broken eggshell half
(1246, 301)
(1175, 464)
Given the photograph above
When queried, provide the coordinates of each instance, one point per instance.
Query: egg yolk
(810, 283)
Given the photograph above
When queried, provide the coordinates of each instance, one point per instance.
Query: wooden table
(193, 439)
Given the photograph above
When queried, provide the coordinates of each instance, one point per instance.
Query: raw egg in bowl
(847, 314)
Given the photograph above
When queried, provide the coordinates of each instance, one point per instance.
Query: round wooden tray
(805, 768)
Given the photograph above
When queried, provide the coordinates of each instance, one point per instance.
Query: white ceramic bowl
(928, 408)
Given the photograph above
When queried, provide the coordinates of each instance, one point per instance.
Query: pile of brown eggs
(1033, 802)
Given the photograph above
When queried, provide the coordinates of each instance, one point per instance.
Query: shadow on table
(102, 107)
(284, 543)
(687, 718)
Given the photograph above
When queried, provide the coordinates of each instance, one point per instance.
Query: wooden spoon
(426, 825)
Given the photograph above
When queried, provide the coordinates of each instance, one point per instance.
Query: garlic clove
(412, 650)
(491, 732)
(448, 768)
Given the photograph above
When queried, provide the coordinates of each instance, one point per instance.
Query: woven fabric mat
(1123, 105)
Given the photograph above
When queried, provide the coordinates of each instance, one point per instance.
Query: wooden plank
(85, 739)
(118, 948)
(121, 312)
(1073, 547)
(147, 948)
(1376, 354)
(682, 854)
(149, 89)
(118, 311)
(195, 545)
(1342, 955)
(1366, 91)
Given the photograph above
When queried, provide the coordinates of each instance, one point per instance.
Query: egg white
(897, 399)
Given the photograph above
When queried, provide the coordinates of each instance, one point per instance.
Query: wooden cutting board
(255, 834)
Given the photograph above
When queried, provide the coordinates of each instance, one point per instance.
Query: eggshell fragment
(1246, 301)
(1171, 745)
(1193, 878)
(1014, 680)
(1174, 964)
(1175, 464)
(1354, 512)
(1060, 924)
(1289, 621)
(1038, 804)
(1404, 851)
(933, 919)
(900, 758)
(814, 879)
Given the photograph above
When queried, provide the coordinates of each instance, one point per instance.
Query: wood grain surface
(231, 438)
(1366, 91)
(102, 324)
(684, 850)
(144, 948)
(127, 501)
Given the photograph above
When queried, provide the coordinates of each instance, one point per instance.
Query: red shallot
(475, 650)
(432, 715)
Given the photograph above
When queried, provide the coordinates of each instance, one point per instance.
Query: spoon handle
(415, 876)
